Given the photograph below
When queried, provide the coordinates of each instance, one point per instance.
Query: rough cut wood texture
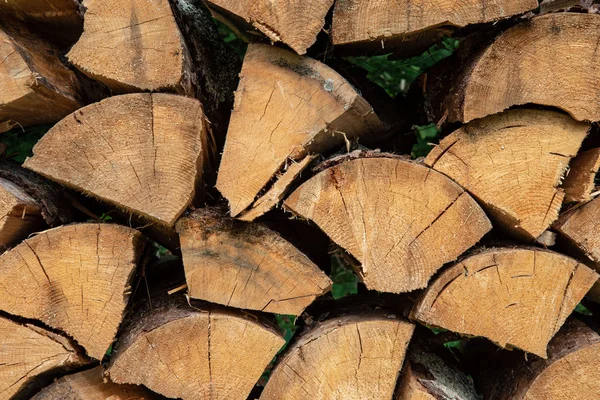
(550, 60)
(389, 214)
(246, 265)
(513, 163)
(353, 357)
(142, 152)
(20, 214)
(383, 23)
(92, 385)
(28, 351)
(286, 108)
(293, 22)
(499, 292)
(570, 373)
(215, 354)
(36, 87)
(579, 183)
(131, 46)
(75, 278)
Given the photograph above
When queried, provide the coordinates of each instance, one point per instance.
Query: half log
(389, 213)
(293, 22)
(246, 265)
(141, 152)
(513, 163)
(498, 292)
(580, 181)
(342, 359)
(286, 108)
(550, 60)
(75, 278)
(411, 24)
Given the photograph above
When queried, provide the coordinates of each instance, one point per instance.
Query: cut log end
(580, 181)
(265, 135)
(216, 354)
(494, 294)
(347, 353)
(389, 214)
(141, 152)
(513, 163)
(20, 214)
(247, 266)
(74, 278)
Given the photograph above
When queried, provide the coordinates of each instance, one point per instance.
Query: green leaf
(426, 134)
(230, 38)
(345, 282)
(19, 142)
(581, 309)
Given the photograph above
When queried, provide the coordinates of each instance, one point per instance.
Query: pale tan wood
(36, 87)
(293, 22)
(389, 24)
(141, 152)
(75, 278)
(286, 108)
(550, 60)
(20, 214)
(352, 357)
(92, 385)
(409, 387)
(132, 45)
(195, 354)
(497, 294)
(246, 265)
(389, 214)
(579, 183)
(28, 351)
(513, 163)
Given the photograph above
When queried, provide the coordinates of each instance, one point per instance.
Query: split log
(580, 181)
(570, 373)
(132, 46)
(27, 352)
(412, 24)
(36, 87)
(513, 163)
(20, 215)
(426, 376)
(141, 152)
(389, 214)
(293, 22)
(75, 278)
(496, 293)
(550, 60)
(342, 358)
(286, 108)
(91, 385)
(246, 265)
(59, 20)
(215, 354)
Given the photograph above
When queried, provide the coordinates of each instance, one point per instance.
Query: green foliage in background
(426, 134)
(345, 282)
(230, 38)
(396, 76)
(17, 143)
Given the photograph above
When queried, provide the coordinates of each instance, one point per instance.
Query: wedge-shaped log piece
(133, 45)
(215, 354)
(293, 22)
(570, 373)
(389, 214)
(36, 87)
(246, 265)
(75, 278)
(580, 182)
(28, 351)
(498, 292)
(20, 214)
(142, 152)
(353, 357)
(92, 385)
(404, 23)
(550, 60)
(513, 163)
(286, 107)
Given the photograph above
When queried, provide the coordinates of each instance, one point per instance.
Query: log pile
(193, 219)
